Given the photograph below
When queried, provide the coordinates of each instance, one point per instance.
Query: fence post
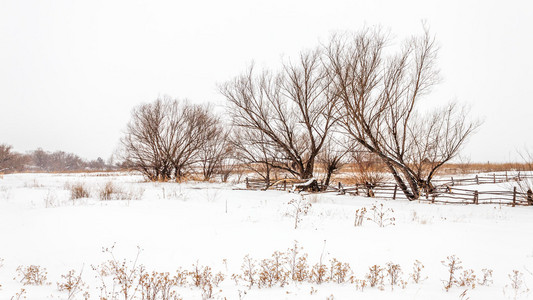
(341, 189)
(529, 197)
(477, 179)
(394, 195)
(356, 189)
(514, 196)
(518, 175)
(494, 176)
(452, 182)
(476, 197)
(506, 178)
(284, 185)
(247, 183)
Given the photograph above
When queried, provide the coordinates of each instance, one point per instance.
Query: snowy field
(217, 225)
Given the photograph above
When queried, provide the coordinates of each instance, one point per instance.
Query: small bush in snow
(486, 280)
(453, 265)
(118, 279)
(112, 192)
(272, 271)
(203, 278)
(359, 216)
(360, 284)
(249, 272)
(299, 207)
(416, 276)
(394, 271)
(516, 287)
(339, 271)
(382, 216)
(78, 191)
(73, 284)
(297, 263)
(277, 270)
(157, 286)
(32, 275)
(318, 273)
(467, 279)
(106, 193)
(375, 277)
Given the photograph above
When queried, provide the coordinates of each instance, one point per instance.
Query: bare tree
(367, 169)
(332, 158)
(435, 139)
(5, 157)
(253, 152)
(291, 111)
(60, 161)
(164, 137)
(189, 128)
(40, 159)
(378, 109)
(11, 161)
(142, 143)
(215, 151)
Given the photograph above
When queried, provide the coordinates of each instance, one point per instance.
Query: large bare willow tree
(164, 138)
(289, 112)
(380, 91)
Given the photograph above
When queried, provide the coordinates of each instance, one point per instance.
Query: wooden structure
(444, 191)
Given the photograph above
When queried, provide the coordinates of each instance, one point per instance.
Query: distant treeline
(45, 161)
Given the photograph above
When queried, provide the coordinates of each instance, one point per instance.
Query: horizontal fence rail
(445, 191)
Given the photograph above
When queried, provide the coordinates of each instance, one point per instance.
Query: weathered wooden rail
(445, 191)
(483, 179)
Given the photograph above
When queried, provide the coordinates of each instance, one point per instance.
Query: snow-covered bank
(177, 225)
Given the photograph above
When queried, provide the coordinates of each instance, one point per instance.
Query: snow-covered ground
(178, 225)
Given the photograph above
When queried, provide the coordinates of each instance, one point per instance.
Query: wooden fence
(445, 191)
(484, 179)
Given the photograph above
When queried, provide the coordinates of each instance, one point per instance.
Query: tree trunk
(412, 181)
(328, 177)
(399, 181)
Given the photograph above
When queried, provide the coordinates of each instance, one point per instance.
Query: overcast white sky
(71, 71)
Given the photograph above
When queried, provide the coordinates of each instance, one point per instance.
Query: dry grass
(109, 191)
(469, 168)
(32, 275)
(128, 279)
(78, 191)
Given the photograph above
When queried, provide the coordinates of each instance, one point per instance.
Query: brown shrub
(106, 193)
(203, 278)
(78, 191)
(375, 276)
(158, 286)
(453, 265)
(339, 271)
(32, 275)
(73, 284)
